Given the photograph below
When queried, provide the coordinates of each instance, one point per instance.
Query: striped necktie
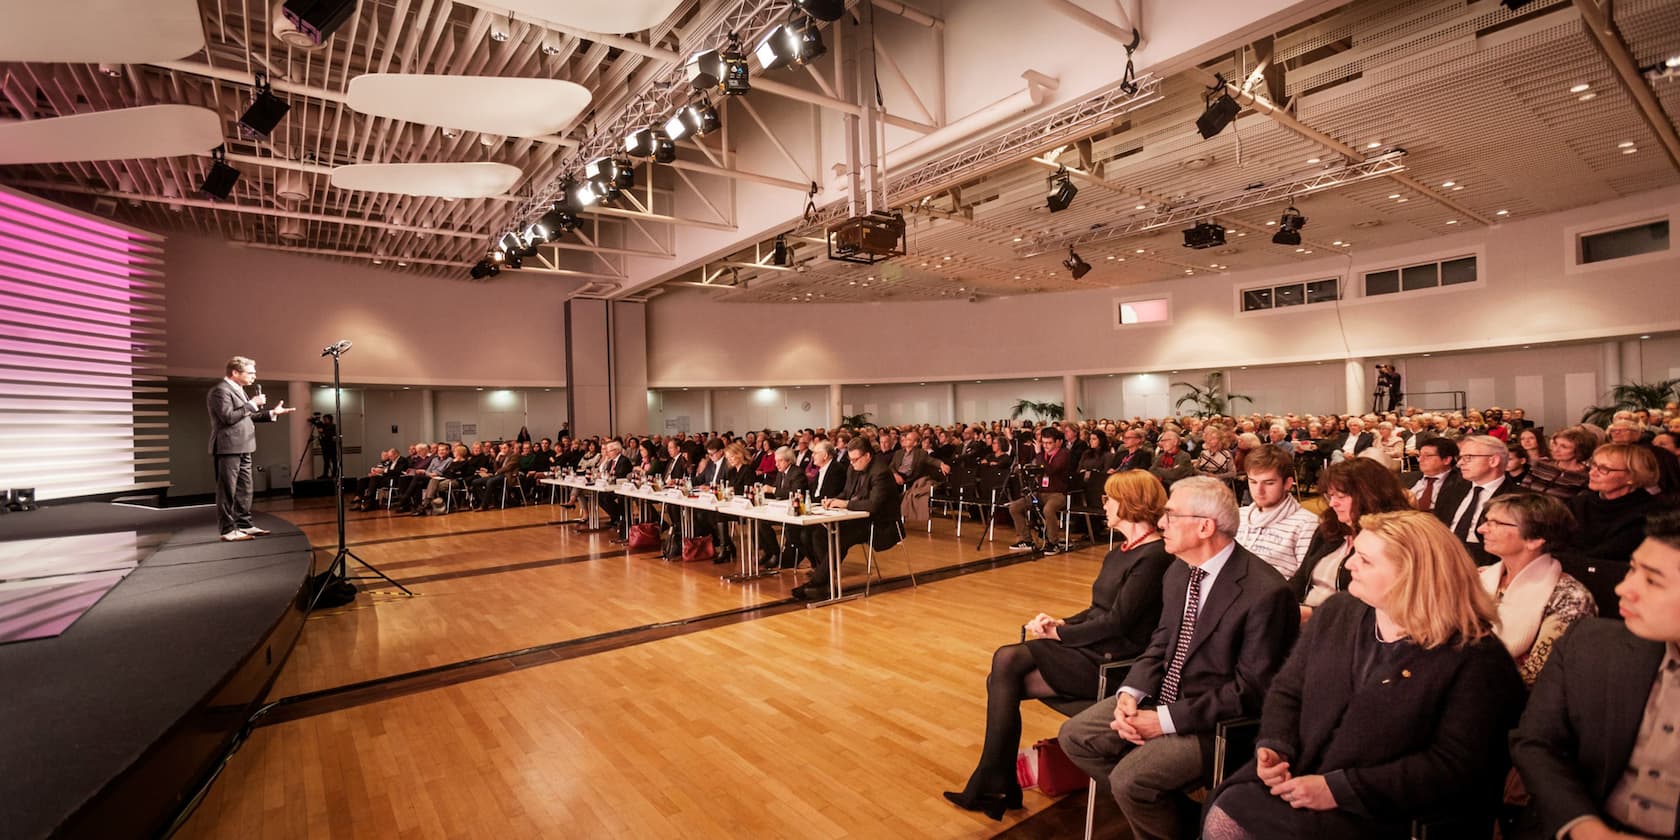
(1186, 634)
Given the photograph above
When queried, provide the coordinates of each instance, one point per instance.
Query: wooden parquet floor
(841, 721)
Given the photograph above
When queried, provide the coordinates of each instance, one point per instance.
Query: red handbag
(696, 549)
(1044, 766)
(644, 535)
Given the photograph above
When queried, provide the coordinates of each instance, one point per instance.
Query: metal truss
(1381, 166)
(659, 97)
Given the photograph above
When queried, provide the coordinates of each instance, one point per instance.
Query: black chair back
(1600, 578)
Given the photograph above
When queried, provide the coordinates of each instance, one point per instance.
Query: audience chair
(872, 570)
(1600, 578)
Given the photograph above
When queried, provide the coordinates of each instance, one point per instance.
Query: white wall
(190, 469)
(281, 309)
(498, 413)
(744, 409)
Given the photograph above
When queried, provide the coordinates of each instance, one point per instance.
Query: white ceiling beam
(616, 213)
(767, 180)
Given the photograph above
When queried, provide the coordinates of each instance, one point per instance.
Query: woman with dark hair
(1529, 440)
(1393, 706)
(1094, 464)
(1353, 489)
(1564, 473)
(1062, 656)
(1516, 463)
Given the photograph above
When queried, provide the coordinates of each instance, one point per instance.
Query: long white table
(774, 511)
(588, 497)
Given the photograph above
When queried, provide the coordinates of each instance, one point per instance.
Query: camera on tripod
(316, 421)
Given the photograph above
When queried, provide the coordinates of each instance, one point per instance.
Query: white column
(1070, 397)
(297, 428)
(835, 407)
(706, 423)
(428, 415)
(951, 404)
(1633, 362)
(1358, 389)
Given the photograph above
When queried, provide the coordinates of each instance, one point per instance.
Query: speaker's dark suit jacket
(872, 489)
(1244, 628)
(788, 482)
(832, 483)
(1577, 732)
(1417, 737)
(1451, 496)
(231, 416)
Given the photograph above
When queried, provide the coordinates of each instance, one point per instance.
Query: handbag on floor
(644, 535)
(696, 549)
(1044, 766)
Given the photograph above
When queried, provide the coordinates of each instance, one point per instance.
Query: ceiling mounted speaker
(149, 131)
(291, 188)
(101, 32)
(291, 230)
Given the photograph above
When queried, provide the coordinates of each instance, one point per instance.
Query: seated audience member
(1062, 656)
(424, 457)
(1529, 440)
(1394, 706)
(1227, 621)
(1596, 744)
(787, 481)
(1462, 506)
(869, 487)
(614, 464)
(1610, 513)
(1052, 490)
(457, 472)
(677, 467)
(1275, 527)
(1516, 463)
(418, 484)
(915, 471)
(1537, 600)
(1564, 473)
(1218, 459)
(1391, 444)
(1094, 462)
(422, 492)
(1351, 442)
(1631, 433)
(1134, 454)
(1668, 442)
(492, 483)
(591, 457)
(1437, 461)
(1170, 462)
(390, 467)
(1352, 489)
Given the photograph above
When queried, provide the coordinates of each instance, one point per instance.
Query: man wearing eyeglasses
(869, 487)
(1227, 623)
(1462, 506)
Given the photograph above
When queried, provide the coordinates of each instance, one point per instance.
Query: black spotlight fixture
(780, 254)
(624, 173)
(796, 42)
(664, 150)
(1062, 190)
(266, 112)
(704, 69)
(1204, 235)
(700, 118)
(1078, 267)
(485, 268)
(557, 222)
(1221, 110)
(1289, 227)
(735, 82)
(641, 143)
(724, 70)
(318, 19)
(218, 184)
(827, 11)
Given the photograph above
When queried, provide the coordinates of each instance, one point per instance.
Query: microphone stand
(336, 570)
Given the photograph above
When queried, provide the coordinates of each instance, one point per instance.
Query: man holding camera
(233, 440)
(326, 432)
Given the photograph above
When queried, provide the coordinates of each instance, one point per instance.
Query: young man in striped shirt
(1275, 527)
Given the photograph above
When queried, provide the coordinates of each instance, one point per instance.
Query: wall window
(1145, 311)
(1414, 278)
(1631, 241)
(1285, 295)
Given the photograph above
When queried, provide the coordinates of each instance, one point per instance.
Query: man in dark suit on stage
(233, 439)
(1227, 623)
(1598, 746)
(1462, 505)
(870, 487)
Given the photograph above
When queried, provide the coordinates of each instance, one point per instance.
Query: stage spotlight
(498, 255)
(640, 143)
(600, 170)
(266, 112)
(1062, 191)
(1221, 109)
(1204, 235)
(571, 199)
(485, 268)
(823, 10)
(794, 42)
(725, 69)
(1078, 267)
(557, 222)
(779, 253)
(1289, 227)
(509, 243)
(514, 261)
(587, 194)
(735, 80)
(704, 69)
(676, 128)
(218, 184)
(664, 151)
(536, 234)
(624, 173)
(701, 118)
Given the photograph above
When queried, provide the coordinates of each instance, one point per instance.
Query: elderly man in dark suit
(1598, 746)
(233, 439)
(789, 481)
(871, 488)
(1227, 623)
(1462, 505)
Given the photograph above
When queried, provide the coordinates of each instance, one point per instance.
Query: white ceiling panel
(514, 107)
(438, 180)
(92, 31)
(149, 131)
(609, 16)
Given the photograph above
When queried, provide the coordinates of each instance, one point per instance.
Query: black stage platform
(107, 729)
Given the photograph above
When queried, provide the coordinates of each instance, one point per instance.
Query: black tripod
(336, 570)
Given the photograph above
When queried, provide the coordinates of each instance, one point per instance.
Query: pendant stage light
(1076, 266)
(1062, 191)
(1221, 110)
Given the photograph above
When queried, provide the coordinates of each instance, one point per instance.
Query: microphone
(339, 347)
(259, 390)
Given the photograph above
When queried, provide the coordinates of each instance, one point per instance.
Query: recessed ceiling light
(1300, 250)
(1140, 250)
(1446, 183)
(1337, 242)
(865, 284)
(1625, 144)
(402, 264)
(1586, 96)
(1629, 151)
(1503, 213)
(1580, 88)
(1189, 271)
(1141, 207)
(1452, 221)
(851, 282)
(1429, 354)
(1122, 259)
(1017, 277)
(1269, 224)
(1401, 200)
(1308, 251)
(378, 261)
(1393, 195)
(1644, 338)
(1312, 160)
(1017, 239)
(1457, 188)
(1372, 145)
(1242, 233)
(1111, 256)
